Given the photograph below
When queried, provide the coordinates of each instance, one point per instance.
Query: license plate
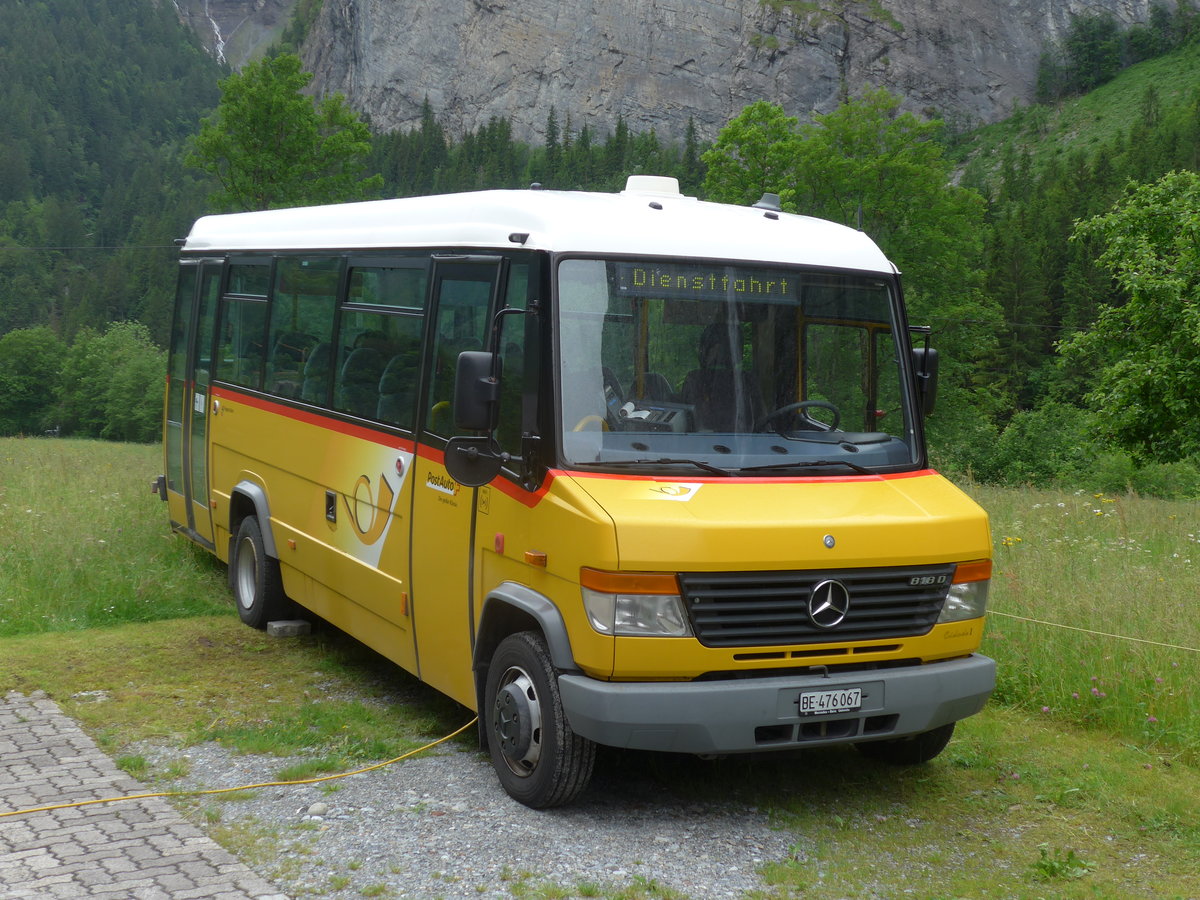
(821, 703)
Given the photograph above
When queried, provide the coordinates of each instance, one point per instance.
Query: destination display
(700, 282)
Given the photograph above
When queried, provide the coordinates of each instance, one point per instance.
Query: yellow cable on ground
(454, 734)
(1120, 637)
(245, 787)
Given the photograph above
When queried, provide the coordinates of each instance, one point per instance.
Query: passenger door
(464, 292)
(187, 414)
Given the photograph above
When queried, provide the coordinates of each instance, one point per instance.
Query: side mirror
(925, 365)
(476, 390)
(474, 461)
(471, 461)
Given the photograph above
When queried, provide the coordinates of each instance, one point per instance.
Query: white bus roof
(649, 218)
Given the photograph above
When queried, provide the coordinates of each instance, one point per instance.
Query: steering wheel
(802, 405)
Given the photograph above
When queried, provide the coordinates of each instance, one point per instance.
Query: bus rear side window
(401, 287)
(242, 344)
(378, 365)
(376, 358)
(302, 309)
(249, 280)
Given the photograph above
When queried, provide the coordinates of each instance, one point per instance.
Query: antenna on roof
(770, 202)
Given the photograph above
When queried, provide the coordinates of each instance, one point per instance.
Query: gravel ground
(440, 826)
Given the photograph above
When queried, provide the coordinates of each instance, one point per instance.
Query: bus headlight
(633, 604)
(969, 592)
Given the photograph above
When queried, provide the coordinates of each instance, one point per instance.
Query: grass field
(83, 541)
(1117, 578)
(1080, 779)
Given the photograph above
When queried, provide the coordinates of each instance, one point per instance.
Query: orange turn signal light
(628, 582)
(977, 570)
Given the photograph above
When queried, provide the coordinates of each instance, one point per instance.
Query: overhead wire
(106, 248)
(1121, 637)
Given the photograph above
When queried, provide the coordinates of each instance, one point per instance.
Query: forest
(1067, 359)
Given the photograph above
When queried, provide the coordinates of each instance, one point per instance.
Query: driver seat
(724, 396)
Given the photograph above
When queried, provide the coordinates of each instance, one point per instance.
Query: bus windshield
(711, 368)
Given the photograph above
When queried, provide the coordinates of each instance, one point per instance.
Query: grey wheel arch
(250, 499)
(510, 608)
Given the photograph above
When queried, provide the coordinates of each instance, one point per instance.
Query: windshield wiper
(665, 461)
(809, 464)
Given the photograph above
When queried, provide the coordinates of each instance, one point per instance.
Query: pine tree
(553, 148)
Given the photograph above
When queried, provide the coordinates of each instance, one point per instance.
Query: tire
(541, 762)
(254, 577)
(908, 751)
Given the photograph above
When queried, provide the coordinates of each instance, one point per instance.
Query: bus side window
(512, 356)
(314, 384)
(360, 365)
(243, 342)
(302, 308)
(461, 325)
(401, 375)
(378, 350)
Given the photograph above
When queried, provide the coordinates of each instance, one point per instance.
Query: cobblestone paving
(131, 850)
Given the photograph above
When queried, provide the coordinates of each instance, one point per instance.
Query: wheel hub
(247, 574)
(517, 722)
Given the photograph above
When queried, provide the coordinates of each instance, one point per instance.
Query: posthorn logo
(828, 604)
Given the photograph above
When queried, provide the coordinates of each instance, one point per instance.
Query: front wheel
(909, 751)
(540, 760)
(254, 577)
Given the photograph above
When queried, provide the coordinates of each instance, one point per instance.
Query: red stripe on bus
(515, 491)
(318, 420)
(503, 485)
(424, 451)
(756, 479)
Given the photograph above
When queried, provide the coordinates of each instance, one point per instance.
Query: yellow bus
(628, 469)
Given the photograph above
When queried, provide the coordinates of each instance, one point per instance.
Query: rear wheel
(540, 760)
(254, 577)
(909, 751)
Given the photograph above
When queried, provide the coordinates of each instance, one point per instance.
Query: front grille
(746, 609)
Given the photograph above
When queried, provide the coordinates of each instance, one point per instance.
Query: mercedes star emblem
(828, 604)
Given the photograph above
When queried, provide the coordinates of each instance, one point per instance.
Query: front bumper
(754, 714)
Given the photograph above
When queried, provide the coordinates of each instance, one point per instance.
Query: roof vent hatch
(658, 185)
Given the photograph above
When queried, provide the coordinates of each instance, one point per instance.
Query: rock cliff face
(659, 62)
(235, 31)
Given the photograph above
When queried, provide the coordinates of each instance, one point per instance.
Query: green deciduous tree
(30, 362)
(270, 145)
(1146, 351)
(111, 385)
(133, 396)
(866, 164)
(869, 164)
(754, 154)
